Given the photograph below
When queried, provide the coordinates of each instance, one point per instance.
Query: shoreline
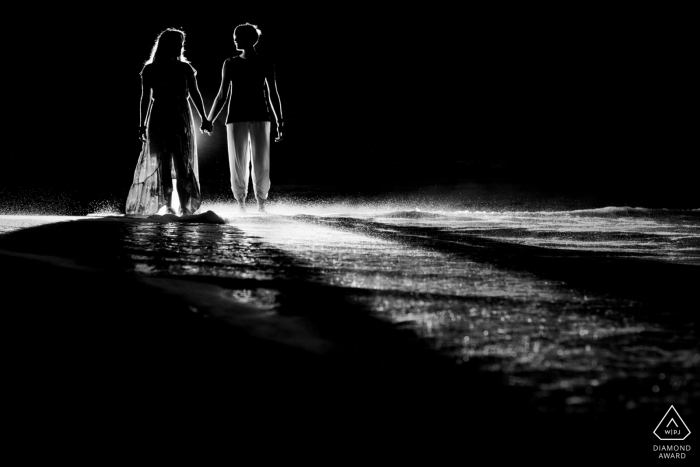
(96, 341)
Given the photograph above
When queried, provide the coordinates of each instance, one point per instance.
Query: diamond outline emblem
(673, 419)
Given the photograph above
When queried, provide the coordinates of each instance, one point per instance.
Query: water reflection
(198, 249)
(578, 348)
(570, 344)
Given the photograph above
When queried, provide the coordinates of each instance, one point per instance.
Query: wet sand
(95, 341)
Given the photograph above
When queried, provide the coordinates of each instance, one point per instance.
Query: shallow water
(473, 284)
(569, 344)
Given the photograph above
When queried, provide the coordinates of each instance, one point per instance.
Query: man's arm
(222, 94)
(274, 97)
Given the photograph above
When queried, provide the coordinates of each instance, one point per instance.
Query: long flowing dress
(170, 151)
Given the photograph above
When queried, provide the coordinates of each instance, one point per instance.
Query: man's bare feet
(241, 205)
(261, 205)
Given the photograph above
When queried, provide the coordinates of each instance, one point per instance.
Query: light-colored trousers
(246, 141)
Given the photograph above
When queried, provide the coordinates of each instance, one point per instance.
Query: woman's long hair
(170, 44)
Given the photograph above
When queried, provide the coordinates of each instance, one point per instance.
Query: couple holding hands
(169, 151)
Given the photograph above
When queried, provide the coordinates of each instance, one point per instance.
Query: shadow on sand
(94, 344)
(668, 288)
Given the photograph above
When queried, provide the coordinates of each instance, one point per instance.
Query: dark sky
(370, 96)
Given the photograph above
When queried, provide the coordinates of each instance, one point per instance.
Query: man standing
(250, 79)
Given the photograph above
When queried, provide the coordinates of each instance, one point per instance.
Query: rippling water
(538, 332)
(496, 289)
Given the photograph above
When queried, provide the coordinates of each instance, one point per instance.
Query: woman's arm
(222, 95)
(274, 97)
(196, 98)
(146, 102)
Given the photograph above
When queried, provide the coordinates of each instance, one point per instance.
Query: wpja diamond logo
(671, 427)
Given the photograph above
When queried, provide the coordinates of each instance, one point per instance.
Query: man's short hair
(247, 34)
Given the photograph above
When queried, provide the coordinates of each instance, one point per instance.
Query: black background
(374, 99)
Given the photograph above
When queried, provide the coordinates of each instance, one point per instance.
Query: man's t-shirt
(249, 100)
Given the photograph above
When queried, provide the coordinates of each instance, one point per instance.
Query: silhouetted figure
(250, 79)
(167, 130)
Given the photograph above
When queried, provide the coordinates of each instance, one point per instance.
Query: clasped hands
(206, 126)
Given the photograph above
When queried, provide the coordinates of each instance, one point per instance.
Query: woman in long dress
(169, 151)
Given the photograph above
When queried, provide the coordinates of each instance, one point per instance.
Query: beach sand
(98, 342)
